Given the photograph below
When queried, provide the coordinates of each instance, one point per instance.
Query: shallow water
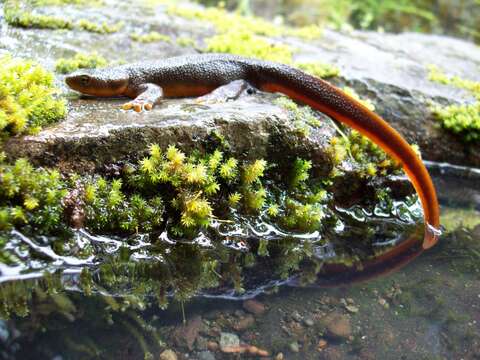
(130, 309)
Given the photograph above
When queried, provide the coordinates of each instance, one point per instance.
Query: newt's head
(99, 82)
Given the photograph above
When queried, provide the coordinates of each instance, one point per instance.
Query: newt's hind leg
(230, 91)
(146, 96)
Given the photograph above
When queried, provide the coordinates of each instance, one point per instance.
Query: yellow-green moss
(152, 36)
(186, 41)
(30, 197)
(227, 21)
(246, 43)
(80, 61)
(435, 74)
(19, 15)
(103, 28)
(321, 70)
(27, 97)
(462, 120)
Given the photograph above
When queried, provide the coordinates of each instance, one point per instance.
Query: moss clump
(109, 209)
(225, 21)
(245, 35)
(318, 69)
(462, 120)
(80, 61)
(102, 28)
(27, 99)
(438, 76)
(186, 41)
(31, 198)
(18, 17)
(152, 36)
(246, 43)
(19, 14)
(304, 118)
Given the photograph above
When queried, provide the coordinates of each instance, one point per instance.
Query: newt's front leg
(146, 96)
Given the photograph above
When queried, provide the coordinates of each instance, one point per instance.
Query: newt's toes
(137, 107)
(127, 106)
(148, 106)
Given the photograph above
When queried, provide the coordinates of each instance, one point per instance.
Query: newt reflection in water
(196, 75)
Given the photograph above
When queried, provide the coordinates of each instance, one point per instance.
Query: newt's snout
(97, 84)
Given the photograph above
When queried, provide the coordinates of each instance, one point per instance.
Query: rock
(244, 323)
(338, 325)
(229, 341)
(201, 343)
(389, 69)
(168, 355)
(309, 322)
(255, 307)
(294, 347)
(352, 309)
(322, 344)
(185, 335)
(279, 356)
(205, 355)
(212, 346)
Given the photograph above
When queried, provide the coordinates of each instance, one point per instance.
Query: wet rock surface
(390, 70)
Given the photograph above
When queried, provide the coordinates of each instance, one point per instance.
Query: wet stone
(205, 355)
(255, 307)
(168, 355)
(338, 326)
(228, 341)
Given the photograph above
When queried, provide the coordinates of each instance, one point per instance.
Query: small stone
(168, 355)
(205, 355)
(296, 316)
(201, 343)
(185, 335)
(384, 303)
(279, 356)
(350, 301)
(351, 308)
(212, 346)
(308, 322)
(294, 347)
(255, 307)
(338, 325)
(228, 341)
(322, 344)
(244, 323)
(262, 353)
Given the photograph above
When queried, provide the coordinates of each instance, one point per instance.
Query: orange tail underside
(384, 136)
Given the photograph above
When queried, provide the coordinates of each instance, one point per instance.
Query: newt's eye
(84, 80)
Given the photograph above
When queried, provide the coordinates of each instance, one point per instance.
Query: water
(125, 303)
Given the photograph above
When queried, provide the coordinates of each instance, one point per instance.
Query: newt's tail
(324, 97)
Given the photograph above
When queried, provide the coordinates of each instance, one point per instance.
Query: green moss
(103, 28)
(80, 61)
(186, 41)
(435, 74)
(318, 69)
(152, 36)
(461, 120)
(246, 43)
(31, 198)
(21, 14)
(225, 21)
(27, 97)
(245, 35)
(18, 17)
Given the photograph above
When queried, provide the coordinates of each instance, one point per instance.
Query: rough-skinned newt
(196, 75)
